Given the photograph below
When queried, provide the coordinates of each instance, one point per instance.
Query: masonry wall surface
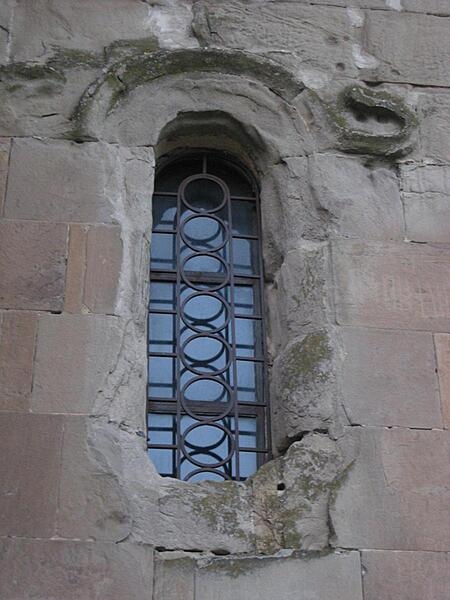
(341, 109)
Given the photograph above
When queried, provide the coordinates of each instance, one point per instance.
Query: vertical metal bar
(233, 341)
(177, 335)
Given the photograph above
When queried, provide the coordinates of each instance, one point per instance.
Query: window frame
(255, 409)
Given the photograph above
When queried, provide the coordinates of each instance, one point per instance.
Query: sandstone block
(29, 473)
(82, 26)
(389, 378)
(392, 285)
(17, 337)
(93, 269)
(362, 202)
(397, 494)
(334, 576)
(68, 570)
(407, 47)
(74, 356)
(406, 575)
(92, 504)
(61, 181)
(32, 265)
(442, 342)
(318, 35)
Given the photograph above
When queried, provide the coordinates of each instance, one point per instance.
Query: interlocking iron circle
(192, 183)
(228, 406)
(197, 286)
(201, 450)
(188, 319)
(225, 347)
(221, 227)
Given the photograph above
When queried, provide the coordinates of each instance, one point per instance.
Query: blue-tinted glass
(161, 333)
(203, 195)
(248, 338)
(245, 258)
(204, 313)
(163, 461)
(164, 212)
(244, 217)
(163, 295)
(248, 381)
(162, 252)
(161, 429)
(161, 377)
(244, 300)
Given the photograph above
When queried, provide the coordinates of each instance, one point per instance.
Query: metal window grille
(207, 407)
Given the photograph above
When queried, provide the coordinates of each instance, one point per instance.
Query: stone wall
(341, 109)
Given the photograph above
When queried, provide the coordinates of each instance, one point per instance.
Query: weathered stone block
(93, 269)
(73, 570)
(29, 473)
(174, 577)
(92, 504)
(430, 7)
(32, 265)
(62, 181)
(406, 575)
(82, 26)
(389, 378)
(74, 355)
(396, 496)
(4, 161)
(434, 124)
(442, 342)
(426, 199)
(318, 35)
(392, 285)
(17, 337)
(418, 58)
(362, 202)
(334, 576)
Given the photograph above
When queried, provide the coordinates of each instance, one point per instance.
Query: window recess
(207, 400)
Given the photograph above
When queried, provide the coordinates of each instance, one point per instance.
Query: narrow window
(207, 410)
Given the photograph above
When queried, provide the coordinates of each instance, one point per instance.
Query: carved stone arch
(165, 101)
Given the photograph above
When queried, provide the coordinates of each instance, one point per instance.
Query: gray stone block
(434, 124)
(336, 576)
(361, 202)
(389, 378)
(319, 36)
(61, 181)
(29, 474)
(407, 47)
(396, 495)
(415, 575)
(174, 576)
(84, 25)
(74, 570)
(74, 355)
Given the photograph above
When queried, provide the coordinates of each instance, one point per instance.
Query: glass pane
(161, 333)
(244, 217)
(203, 195)
(245, 256)
(170, 178)
(244, 300)
(162, 251)
(161, 429)
(163, 461)
(164, 212)
(161, 377)
(163, 295)
(207, 390)
(249, 378)
(248, 463)
(248, 338)
(235, 180)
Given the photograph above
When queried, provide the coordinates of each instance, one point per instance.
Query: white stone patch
(314, 79)
(364, 60)
(356, 17)
(172, 24)
(394, 4)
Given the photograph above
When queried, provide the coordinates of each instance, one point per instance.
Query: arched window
(207, 407)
